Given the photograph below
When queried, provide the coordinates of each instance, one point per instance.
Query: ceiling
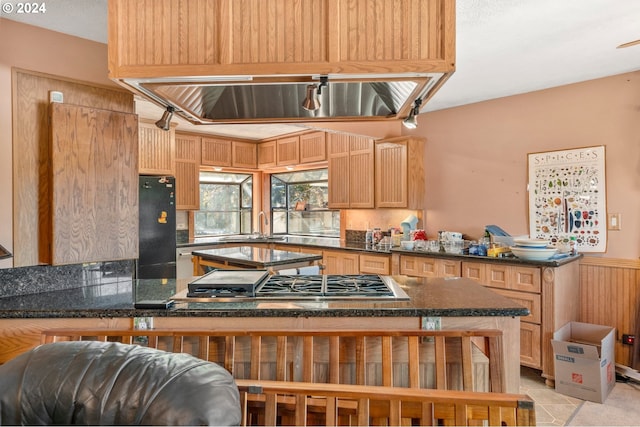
(503, 48)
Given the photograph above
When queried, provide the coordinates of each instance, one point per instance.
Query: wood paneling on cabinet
(399, 173)
(187, 171)
(94, 185)
(266, 154)
(375, 264)
(31, 161)
(429, 267)
(224, 37)
(340, 262)
(244, 154)
(216, 152)
(156, 150)
(313, 147)
(351, 171)
(288, 151)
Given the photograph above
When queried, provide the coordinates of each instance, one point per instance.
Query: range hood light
(411, 122)
(311, 102)
(165, 121)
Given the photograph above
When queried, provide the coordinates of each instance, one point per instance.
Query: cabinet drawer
(375, 264)
(531, 301)
(530, 348)
(498, 276)
(475, 271)
(525, 279)
(429, 267)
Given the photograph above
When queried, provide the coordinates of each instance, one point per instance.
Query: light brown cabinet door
(338, 145)
(391, 175)
(340, 262)
(156, 150)
(429, 267)
(266, 154)
(187, 171)
(288, 151)
(216, 152)
(350, 171)
(313, 147)
(244, 155)
(94, 185)
(375, 264)
(530, 345)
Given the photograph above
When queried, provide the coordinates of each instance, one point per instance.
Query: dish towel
(288, 271)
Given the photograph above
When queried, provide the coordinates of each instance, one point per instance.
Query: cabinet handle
(184, 254)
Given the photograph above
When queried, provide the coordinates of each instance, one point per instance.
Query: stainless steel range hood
(247, 99)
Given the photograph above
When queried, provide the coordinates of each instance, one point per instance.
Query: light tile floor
(552, 409)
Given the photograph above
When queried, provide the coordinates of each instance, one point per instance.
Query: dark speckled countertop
(428, 297)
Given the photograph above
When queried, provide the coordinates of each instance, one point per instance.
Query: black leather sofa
(98, 383)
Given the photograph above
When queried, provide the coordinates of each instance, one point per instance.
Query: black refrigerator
(157, 228)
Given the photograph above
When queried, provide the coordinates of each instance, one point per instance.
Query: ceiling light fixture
(165, 121)
(411, 122)
(311, 101)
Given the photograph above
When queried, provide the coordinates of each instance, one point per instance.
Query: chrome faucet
(260, 224)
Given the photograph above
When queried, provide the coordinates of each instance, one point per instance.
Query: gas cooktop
(259, 285)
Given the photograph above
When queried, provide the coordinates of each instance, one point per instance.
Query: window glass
(299, 204)
(225, 204)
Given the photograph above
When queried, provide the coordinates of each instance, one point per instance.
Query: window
(226, 201)
(299, 203)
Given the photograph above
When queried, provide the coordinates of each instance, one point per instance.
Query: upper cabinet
(351, 171)
(399, 173)
(287, 43)
(187, 171)
(227, 153)
(94, 186)
(313, 147)
(288, 151)
(156, 150)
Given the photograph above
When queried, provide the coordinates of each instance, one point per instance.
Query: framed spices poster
(567, 197)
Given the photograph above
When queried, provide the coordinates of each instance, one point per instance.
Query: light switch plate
(613, 221)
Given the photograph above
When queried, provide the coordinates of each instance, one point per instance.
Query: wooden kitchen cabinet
(156, 150)
(351, 171)
(266, 154)
(419, 266)
(222, 152)
(313, 147)
(288, 151)
(340, 262)
(93, 202)
(550, 293)
(213, 37)
(187, 171)
(216, 152)
(375, 264)
(399, 173)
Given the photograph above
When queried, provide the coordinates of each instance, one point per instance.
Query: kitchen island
(243, 257)
(459, 303)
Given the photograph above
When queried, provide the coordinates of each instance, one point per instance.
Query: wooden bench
(448, 359)
(302, 403)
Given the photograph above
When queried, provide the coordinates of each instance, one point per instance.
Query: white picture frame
(567, 197)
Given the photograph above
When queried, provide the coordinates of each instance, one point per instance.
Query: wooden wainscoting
(610, 295)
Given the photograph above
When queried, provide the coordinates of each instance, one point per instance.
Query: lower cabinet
(550, 293)
(340, 262)
(419, 266)
(375, 264)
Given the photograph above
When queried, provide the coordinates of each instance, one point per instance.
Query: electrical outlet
(431, 323)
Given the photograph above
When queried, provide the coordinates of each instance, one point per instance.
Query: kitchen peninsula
(460, 303)
(251, 257)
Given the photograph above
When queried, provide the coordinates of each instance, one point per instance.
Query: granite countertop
(251, 256)
(428, 297)
(334, 243)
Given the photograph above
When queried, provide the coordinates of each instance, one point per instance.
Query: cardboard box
(584, 360)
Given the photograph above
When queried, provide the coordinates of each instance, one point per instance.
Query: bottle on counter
(368, 238)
